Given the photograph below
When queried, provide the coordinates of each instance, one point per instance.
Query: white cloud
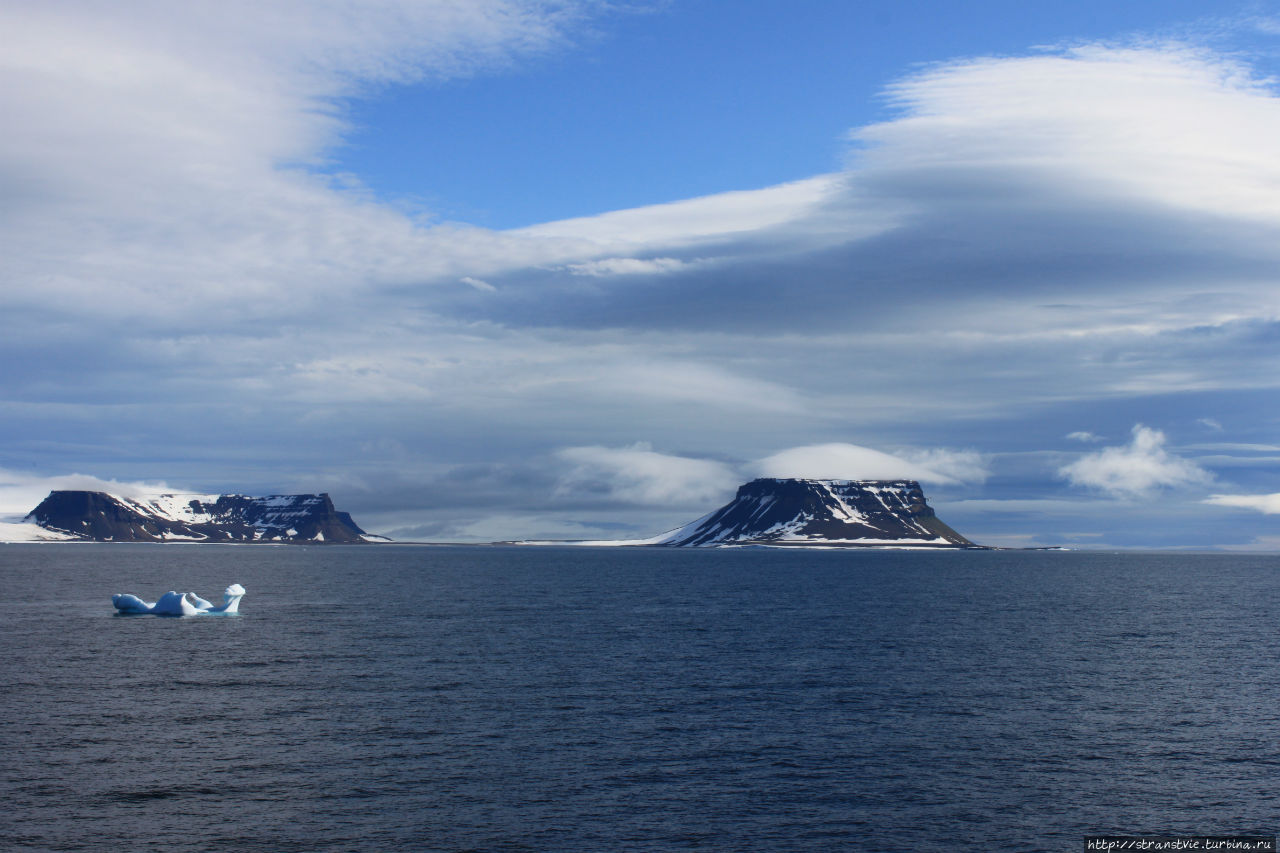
(839, 461)
(694, 383)
(638, 474)
(627, 266)
(478, 283)
(700, 220)
(201, 213)
(155, 160)
(1069, 196)
(21, 492)
(1266, 504)
(1162, 123)
(1083, 435)
(961, 466)
(1136, 469)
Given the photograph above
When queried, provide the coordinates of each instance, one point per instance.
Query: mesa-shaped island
(102, 517)
(822, 512)
(813, 513)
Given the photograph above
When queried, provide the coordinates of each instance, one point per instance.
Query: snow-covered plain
(20, 531)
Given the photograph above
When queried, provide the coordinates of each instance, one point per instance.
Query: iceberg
(179, 603)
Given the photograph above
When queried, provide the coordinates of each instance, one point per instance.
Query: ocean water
(559, 699)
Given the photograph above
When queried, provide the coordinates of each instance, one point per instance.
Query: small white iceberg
(179, 603)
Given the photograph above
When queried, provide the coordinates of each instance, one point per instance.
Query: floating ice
(179, 603)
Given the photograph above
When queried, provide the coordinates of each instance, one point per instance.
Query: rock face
(101, 517)
(848, 513)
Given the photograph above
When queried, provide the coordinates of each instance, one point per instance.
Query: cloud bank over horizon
(1026, 254)
(1266, 504)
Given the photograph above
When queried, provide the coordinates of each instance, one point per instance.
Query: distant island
(792, 513)
(82, 516)
(814, 513)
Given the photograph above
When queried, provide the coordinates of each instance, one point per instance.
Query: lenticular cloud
(851, 462)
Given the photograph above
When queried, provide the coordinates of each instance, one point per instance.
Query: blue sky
(684, 99)
(513, 269)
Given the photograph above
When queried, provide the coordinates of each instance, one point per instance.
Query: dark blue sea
(385, 698)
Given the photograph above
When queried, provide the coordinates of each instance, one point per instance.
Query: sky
(506, 269)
